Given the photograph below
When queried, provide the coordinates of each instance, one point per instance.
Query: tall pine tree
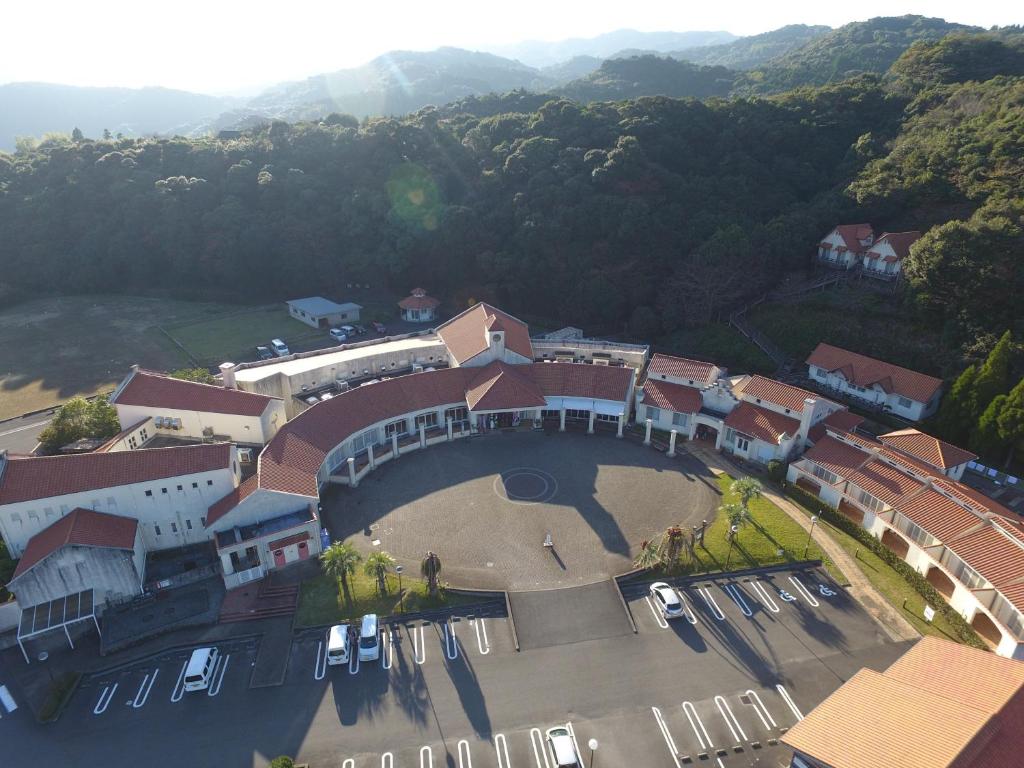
(956, 415)
(994, 376)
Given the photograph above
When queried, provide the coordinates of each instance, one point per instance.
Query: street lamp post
(401, 594)
(810, 532)
(733, 530)
(593, 748)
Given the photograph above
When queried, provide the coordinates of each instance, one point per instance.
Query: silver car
(563, 748)
(667, 600)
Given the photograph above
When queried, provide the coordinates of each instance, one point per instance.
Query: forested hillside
(755, 50)
(630, 78)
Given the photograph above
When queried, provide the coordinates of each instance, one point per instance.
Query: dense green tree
(339, 561)
(201, 375)
(1010, 422)
(956, 416)
(79, 418)
(994, 374)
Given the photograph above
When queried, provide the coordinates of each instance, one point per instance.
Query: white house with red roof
(417, 307)
(893, 388)
(845, 246)
(197, 411)
(884, 259)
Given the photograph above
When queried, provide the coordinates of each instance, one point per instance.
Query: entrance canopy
(603, 407)
(56, 614)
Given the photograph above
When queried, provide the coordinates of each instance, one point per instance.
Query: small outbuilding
(417, 307)
(318, 312)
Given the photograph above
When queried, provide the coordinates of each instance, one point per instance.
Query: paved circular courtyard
(486, 504)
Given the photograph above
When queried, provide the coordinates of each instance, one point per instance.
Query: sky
(214, 46)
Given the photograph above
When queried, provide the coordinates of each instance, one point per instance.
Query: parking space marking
(737, 597)
(657, 614)
(789, 702)
(419, 647)
(104, 700)
(451, 643)
(697, 725)
(428, 763)
(501, 748)
(464, 749)
(7, 700)
(803, 590)
(667, 736)
(179, 687)
(320, 667)
(217, 676)
(349, 763)
(725, 711)
(760, 708)
(710, 600)
(686, 607)
(765, 597)
(826, 591)
(540, 749)
(387, 760)
(576, 744)
(353, 662)
(144, 688)
(387, 655)
(483, 644)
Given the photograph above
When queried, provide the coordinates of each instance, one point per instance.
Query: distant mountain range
(618, 65)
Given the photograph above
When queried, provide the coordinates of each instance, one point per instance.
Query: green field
(234, 336)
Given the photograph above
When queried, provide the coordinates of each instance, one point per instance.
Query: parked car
(338, 334)
(667, 600)
(263, 353)
(338, 644)
(349, 330)
(369, 638)
(563, 748)
(379, 327)
(279, 347)
(360, 330)
(200, 669)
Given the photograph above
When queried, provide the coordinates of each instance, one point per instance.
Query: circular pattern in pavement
(525, 485)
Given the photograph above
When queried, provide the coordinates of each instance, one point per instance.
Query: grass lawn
(321, 603)
(758, 542)
(888, 582)
(719, 343)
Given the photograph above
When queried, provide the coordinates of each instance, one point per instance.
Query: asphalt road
(456, 693)
(22, 434)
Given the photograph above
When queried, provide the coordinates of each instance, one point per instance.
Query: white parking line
(572, 733)
(353, 661)
(464, 749)
(737, 597)
(682, 601)
(217, 676)
(765, 597)
(657, 614)
(144, 688)
(803, 590)
(483, 644)
(428, 763)
(179, 687)
(760, 708)
(387, 760)
(349, 763)
(725, 711)
(23, 428)
(104, 700)
(451, 643)
(320, 667)
(7, 699)
(697, 725)
(419, 647)
(501, 748)
(789, 702)
(665, 734)
(710, 600)
(540, 749)
(387, 654)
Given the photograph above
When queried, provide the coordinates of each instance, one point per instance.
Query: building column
(719, 436)
(225, 563)
(672, 444)
(622, 421)
(423, 435)
(691, 431)
(647, 431)
(451, 436)
(394, 444)
(590, 425)
(369, 456)
(561, 420)
(352, 472)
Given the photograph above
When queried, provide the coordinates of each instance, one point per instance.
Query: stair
(268, 601)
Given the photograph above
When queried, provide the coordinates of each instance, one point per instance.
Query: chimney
(227, 373)
(3, 462)
(135, 368)
(805, 422)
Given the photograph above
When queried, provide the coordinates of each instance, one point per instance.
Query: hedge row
(964, 632)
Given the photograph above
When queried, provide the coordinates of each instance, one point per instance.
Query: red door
(303, 550)
(279, 558)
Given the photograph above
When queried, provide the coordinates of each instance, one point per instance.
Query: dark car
(360, 330)
(264, 353)
(379, 327)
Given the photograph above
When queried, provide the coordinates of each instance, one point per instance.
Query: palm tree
(430, 568)
(340, 561)
(664, 550)
(747, 489)
(735, 513)
(377, 565)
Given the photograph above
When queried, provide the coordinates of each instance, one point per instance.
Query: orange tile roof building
(940, 705)
(417, 307)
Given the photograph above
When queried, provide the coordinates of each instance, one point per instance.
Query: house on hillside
(845, 246)
(901, 391)
(884, 259)
(318, 312)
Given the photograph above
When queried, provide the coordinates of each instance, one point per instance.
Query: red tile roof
(887, 484)
(900, 243)
(842, 421)
(760, 423)
(775, 392)
(674, 397)
(836, 456)
(295, 538)
(866, 371)
(419, 300)
(852, 234)
(39, 477)
(224, 505)
(154, 390)
(931, 450)
(80, 528)
(996, 554)
(942, 518)
(601, 382)
(499, 386)
(465, 335)
(695, 371)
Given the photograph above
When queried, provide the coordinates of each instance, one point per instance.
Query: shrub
(964, 632)
(282, 762)
(776, 471)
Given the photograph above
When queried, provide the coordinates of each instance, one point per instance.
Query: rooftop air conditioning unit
(342, 386)
(417, 367)
(600, 361)
(245, 455)
(158, 422)
(207, 431)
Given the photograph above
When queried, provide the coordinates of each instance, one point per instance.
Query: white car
(338, 334)
(563, 748)
(667, 600)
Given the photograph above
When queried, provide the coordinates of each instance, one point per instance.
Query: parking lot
(717, 686)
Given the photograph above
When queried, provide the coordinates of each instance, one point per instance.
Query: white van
(338, 644)
(369, 639)
(279, 347)
(200, 669)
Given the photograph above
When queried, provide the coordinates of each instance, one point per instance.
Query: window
(742, 444)
(149, 493)
(174, 527)
(905, 402)
(914, 532)
(163, 490)
(395, 428)
(195, 485)
(654, 414)
(203, 519)
(824, 474)
(868, 500)
(456, 414)
(680, 419)
(427, 419)
(188, 524)
(156, 529)
(209, 482)
(179, 487)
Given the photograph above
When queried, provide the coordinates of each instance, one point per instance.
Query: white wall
(835, 241)
(247, 430)
(135, 439)
(875, 394)
(259, 506)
